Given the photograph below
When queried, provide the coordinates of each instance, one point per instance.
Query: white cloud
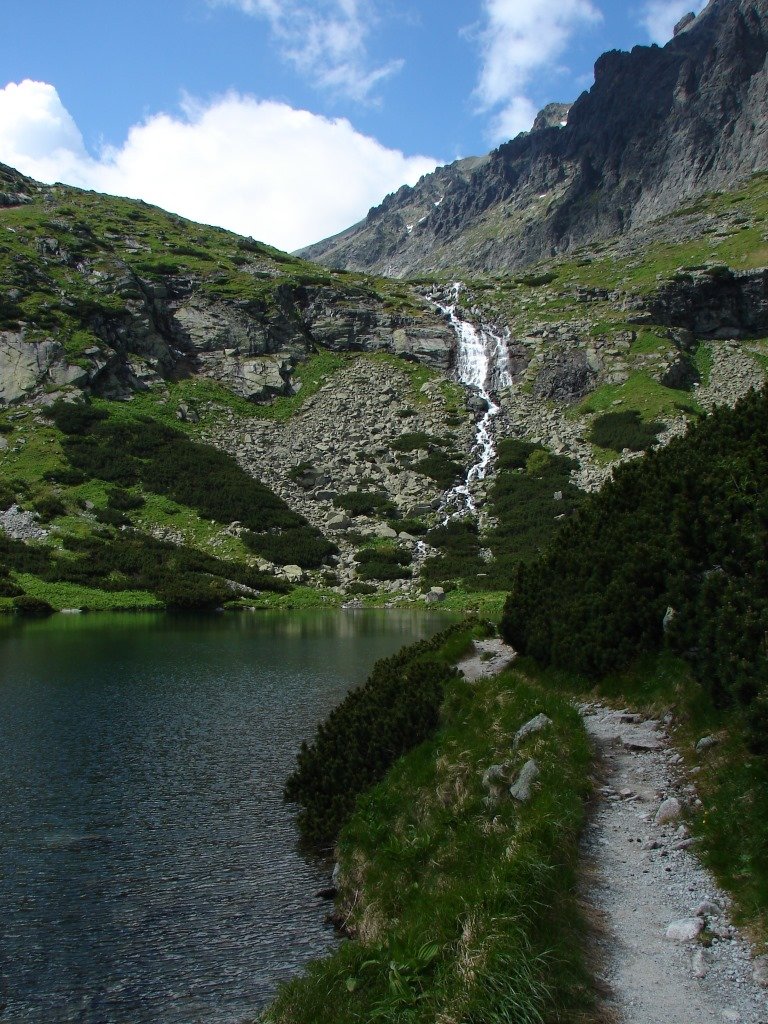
(661, 16)
(325, 39)
(262, 168)
(517, 39)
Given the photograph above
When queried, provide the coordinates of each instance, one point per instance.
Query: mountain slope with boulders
(200, 352)
(659, 127)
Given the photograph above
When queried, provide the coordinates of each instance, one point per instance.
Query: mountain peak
(659, 126)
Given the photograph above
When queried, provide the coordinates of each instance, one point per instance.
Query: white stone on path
(687, 929)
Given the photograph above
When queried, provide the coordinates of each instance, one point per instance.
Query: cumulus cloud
(661, 16)
(288, 177)
(517, 39)
(326, 40)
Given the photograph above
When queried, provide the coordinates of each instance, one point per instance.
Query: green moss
(71, 595)
(643, 394)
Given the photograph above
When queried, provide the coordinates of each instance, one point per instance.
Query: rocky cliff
(660, 125)
(109, 295)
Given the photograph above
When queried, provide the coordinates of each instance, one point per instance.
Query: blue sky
(287, 119)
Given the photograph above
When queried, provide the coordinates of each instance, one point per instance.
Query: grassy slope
(462, 912)
(109, 235)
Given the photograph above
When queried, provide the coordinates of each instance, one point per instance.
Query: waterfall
(483, 365)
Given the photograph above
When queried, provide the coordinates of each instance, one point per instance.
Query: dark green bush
(48, 507)
(511, 453)
(396, 709)
(687, 528)
(131, 560)
(25, 604)
(124, 501)
(383, 563)
(416, 527)
(73, 418)
(110, 517)
(361, 589)
(302, 546)
(459, 544)
(7, 497)
(365, 503)
(188, 591)
(619, 430)
(418, 440)
(439, 467)
(67, 476)
(8, 588)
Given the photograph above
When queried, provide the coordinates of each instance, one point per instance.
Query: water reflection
(149, 869)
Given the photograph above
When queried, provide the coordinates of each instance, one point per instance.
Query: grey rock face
(565, 377)
(658, 126)
(24, 365)
(715, 303)
(686, 20)
(28, 366)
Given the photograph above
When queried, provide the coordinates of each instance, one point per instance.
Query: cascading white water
(482, 364)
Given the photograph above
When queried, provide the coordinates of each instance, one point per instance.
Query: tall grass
(461, 911)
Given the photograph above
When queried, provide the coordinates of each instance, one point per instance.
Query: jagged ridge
(659, 125)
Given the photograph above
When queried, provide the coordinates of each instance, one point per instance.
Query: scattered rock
(293, 573)
(522, 789)
(708, 908)
(533, 726)
(19, 524)
(705, 743)
(669, 810)
(760, 970)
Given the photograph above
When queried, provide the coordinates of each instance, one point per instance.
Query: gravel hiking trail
(667, 952)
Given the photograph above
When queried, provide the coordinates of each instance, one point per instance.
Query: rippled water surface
(148, 868)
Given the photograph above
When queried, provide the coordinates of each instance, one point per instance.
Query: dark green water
(149, 869)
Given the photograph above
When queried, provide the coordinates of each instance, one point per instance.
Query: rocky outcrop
(177, 328)
(554, 115)
(658, 126)
(714, 302)
(565, 377)
(27, 366)
(111, 296)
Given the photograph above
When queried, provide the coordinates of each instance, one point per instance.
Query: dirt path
(668, 951)
(641, 878)
(488, 658)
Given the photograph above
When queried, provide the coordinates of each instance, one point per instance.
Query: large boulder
(24, 365)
